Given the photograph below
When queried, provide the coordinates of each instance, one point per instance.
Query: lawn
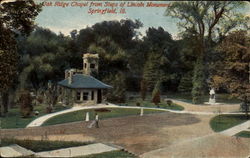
(112, 154)
(13, 118)
(187, 97)
(245, 134)
(42, 145)
(147, 103)
(80, 115)
(222, 122)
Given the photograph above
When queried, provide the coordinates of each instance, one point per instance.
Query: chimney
(70, 77)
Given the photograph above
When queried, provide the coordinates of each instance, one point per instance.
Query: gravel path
(189, 109)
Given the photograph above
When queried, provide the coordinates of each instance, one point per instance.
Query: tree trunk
(1, 104)
(5, 101)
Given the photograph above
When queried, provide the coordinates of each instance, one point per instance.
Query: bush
(49, 109)
(26, 107)
(138, 104)
(169, 102)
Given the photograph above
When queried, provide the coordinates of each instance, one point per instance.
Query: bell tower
(90, 63)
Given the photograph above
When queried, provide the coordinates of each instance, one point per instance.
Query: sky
(66, 19)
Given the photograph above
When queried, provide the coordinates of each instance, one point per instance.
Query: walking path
(236, 129)
(39, 121)
(14, 151)
(79, 151)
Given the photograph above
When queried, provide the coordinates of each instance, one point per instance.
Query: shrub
(26, 107)
(49, 109)
(169, 102)
(156, 95)
(138, 104)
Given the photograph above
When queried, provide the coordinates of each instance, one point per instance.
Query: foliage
(186, 83)
(143, 89)
(222, 122)
(118, 92)
(245, 108)
(162, 58)
(207, 17)
(12, 24)
(26, 107)
(156, 94)
(208, 21)
(148, 103)
(152, 72)
(233, 71)
(198, 89)
(14, 118)
(42, 145)
(169, 102)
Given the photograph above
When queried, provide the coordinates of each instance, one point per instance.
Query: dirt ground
(155, 135)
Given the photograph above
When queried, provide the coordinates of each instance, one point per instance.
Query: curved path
(39, 121)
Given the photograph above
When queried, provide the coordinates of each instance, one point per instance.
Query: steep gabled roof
(84, 81)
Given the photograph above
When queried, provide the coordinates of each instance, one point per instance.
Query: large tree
(15, 18)
(233, 72)
(209, 21)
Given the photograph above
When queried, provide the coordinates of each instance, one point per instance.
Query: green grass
(42, 145)
(223, 122)
(13, 118)
(147, 103)
(80, 115)
(245, 134)
(112, 154)
(187, 97)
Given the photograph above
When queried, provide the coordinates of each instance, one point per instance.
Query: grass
(42, 145)
(220, 98)
(112, 154)
(80, 115)
(245, 134)
(13, 118)
(147, 103)
(222, 122)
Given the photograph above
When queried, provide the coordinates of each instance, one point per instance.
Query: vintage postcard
(124, 79)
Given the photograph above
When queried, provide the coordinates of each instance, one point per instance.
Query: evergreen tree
(186, 83)
(152, 71)
(199, 82)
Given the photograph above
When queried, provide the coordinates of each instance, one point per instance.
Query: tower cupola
(90, 63)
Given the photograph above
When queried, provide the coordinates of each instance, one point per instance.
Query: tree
(233, 71)
(209, 21)
(152, 71)
(186, 82)
(15, 18)
(156, 94)
(143, 89)
(198, 83)
(118, 93)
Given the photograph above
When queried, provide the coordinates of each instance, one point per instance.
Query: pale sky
(59, 19)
